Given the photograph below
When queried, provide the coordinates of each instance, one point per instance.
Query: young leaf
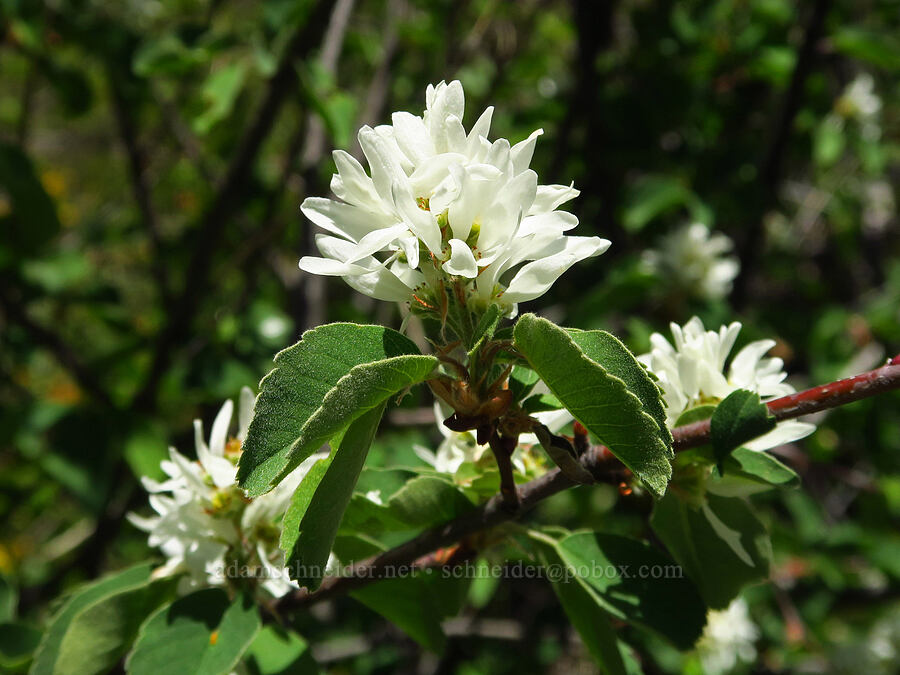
(722, 546)
(335, 374)
(321, 500)
(484, 331)
(637, 583)
(203, 633)
(625, 419)
(522, 381)
(563, 455)
(47, 658)
(739, 418)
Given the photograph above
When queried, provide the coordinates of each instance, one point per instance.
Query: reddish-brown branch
(812, 400)
(416, 553)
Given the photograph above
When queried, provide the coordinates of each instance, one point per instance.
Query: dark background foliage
(152, 159)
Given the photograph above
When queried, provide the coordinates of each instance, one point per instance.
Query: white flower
(446, 216)
(695, 261)
(693, 373)
(728, 638)
(860, 102)
(205, 524)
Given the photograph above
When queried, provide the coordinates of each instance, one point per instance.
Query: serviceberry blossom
(728, 639)
(695, 261)
(692, 373)
(205, 524)
(446, 217)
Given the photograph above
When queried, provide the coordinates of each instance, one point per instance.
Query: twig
(137, 163)
(66, 356)
(771, 167)
(604, 468)
(225, 202)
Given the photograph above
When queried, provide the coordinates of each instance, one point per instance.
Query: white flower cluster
(728, 639)
(692, 373)
(695, 261)
(444, 210)
(860, 102)
(205, 524)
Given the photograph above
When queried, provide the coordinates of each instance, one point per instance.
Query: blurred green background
(153, 156)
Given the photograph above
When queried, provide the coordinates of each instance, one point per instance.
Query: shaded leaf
(722, 546)
(739, 418)
(203, 633)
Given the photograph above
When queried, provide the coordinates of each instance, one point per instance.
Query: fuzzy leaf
(335, 374)
(615, 400)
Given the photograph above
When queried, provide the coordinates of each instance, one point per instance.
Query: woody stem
(503, 449)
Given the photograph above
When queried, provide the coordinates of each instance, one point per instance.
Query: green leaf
(563, 455)
(417, 603)
(652, 196)
(203, 633)
(101, 634)
(322, 500)
(637, 583)
(484, 331)
(739, 418)
(46, 660)
(32, 220)
(600, 395)
(584, 610)
(320, 385)
(695, 414)
(606, 349)
(722, 546)
(541, 403)
(220, 91)
(17, 643)
(277, 651)
(428, 500)
(829, 141)
(522, 381)
(408, 603)
(879, 49)
(747, 472)
(9, 600)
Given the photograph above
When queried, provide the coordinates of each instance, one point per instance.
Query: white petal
(219, 434)
(549, 197)
(480, 129)
(535, 278)
(381, 284)
(329, 267)
(784, 433)
(350, 222)
(555, 221)
(412, 137)
(462, 262)
(522, 152)
(743, 367)
(376, 241)
(245, 412)
(351, 183)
